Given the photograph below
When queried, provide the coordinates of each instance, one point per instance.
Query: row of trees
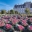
(13, 12)
(8, 12)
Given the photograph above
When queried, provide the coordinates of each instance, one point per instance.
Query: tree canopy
(3, 11)
(8, 12)
(27, 11)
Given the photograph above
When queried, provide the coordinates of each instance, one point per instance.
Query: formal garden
(13, 21)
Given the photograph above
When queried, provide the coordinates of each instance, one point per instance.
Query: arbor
(27, 11)
(3, 11)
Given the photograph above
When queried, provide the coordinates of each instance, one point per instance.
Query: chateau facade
(21, 8)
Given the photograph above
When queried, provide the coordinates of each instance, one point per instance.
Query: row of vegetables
(15, 23)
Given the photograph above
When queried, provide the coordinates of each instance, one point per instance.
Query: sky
(9, 4)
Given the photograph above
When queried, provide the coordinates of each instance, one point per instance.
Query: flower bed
(10, 24)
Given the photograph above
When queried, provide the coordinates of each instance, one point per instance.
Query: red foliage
(20, 27)
(30, 27)
(8, 26)
(24, 22)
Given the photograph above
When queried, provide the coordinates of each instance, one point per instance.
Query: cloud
(8, 7)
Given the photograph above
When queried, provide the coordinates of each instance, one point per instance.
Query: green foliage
(9, 12)
(27, 11)
(3, 11)
(16, 12)
(12, 11)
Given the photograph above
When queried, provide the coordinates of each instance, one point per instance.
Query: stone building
(21, 8)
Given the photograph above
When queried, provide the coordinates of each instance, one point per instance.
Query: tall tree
(3, 11)
(12, 11)
(8, 12)
(27, 11)
(16, 12)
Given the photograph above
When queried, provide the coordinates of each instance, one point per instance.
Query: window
(30, 5)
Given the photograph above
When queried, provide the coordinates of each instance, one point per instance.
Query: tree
(12, 12)
(16, 12)
(0, 12)
(27, 11)
(8, 12)
(3, 11)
